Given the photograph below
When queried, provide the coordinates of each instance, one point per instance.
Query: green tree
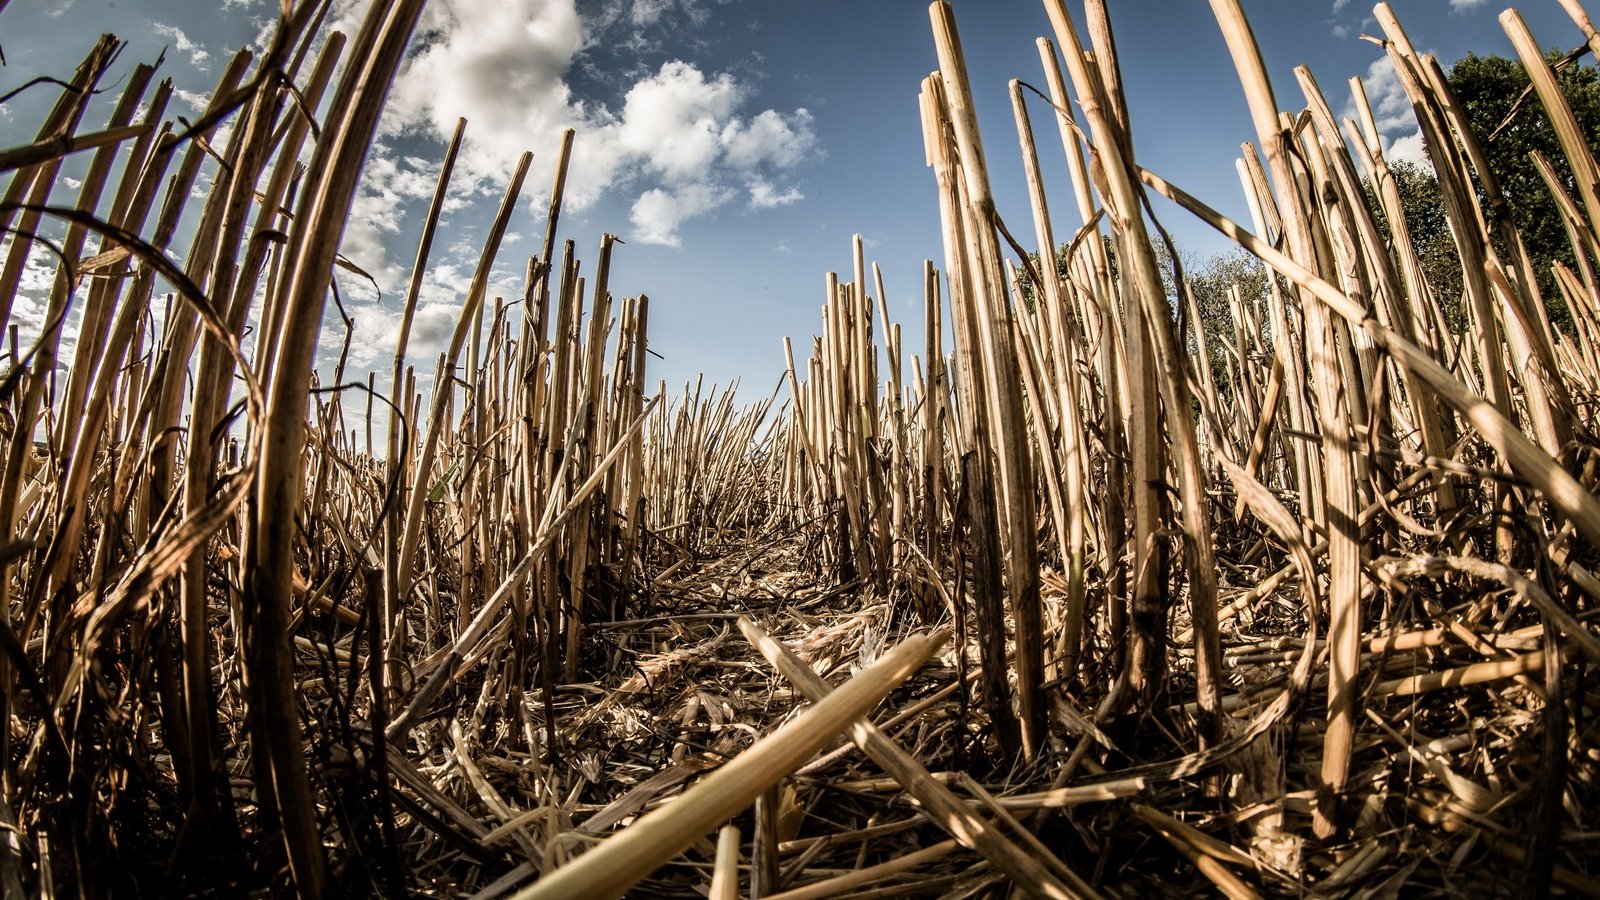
(1489, 88)
(1211, 278)
(1430, 231)
(1025, 283)
(1064, 265)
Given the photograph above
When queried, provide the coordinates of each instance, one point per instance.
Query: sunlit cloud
(196, 54)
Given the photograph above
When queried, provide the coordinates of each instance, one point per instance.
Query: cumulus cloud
(378, 325)
(1409, 148)
(39, 270)
(672, 121)
(367, 231)
(764, 196)
(1341, 30)
(769, 139)
(29, 310)
(671, 140)
(371, 233)
(678, 131)
(195, 100)
(658, 212)
(1391, 108)
(389, 184)
(196, 53)
(501, 66)
(1392, 112)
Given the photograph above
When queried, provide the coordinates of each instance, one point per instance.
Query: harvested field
(1080, 597)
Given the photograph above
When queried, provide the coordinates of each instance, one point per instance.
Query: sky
(735, 146)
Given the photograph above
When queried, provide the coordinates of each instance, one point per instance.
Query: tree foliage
(1488, 87)
(1511, 126)
(1209, 277)
(1064, 264)
(1430, 231)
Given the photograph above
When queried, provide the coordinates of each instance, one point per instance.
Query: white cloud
(377, 328)
(674, 121)
(1409, 148)
(679, 143)
(764, 196)
(29, 307)
(439, 307)
(500, 65)
(388, 184)
(267, 25)
(1391, 108)
(658, 213)
(195, 100)
(1339, 5)
(197, 54)
(770, 139)
(679, 131)
(644, 13)
(39, 272)
(1392, 112)
(1461, 6)
(645, 26)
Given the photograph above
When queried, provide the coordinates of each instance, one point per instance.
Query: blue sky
(736, 146)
